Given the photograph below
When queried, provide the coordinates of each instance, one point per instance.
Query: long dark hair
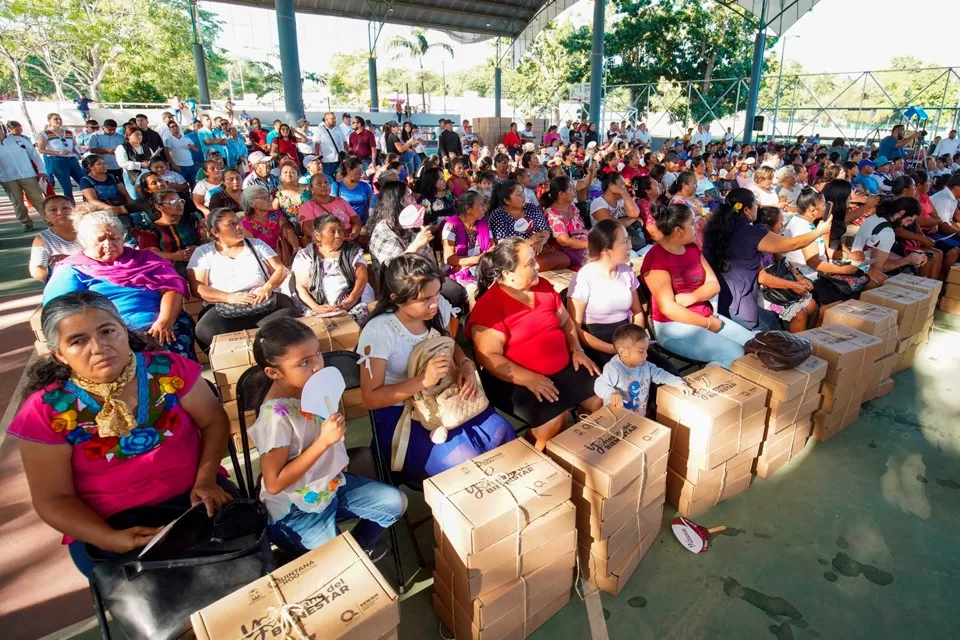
(402, 280)
(719, 232)
(427, 183)
(837, 192)
(557, 186)
(48, 370)
(670, 217)
(602, 236)
(272, 342)
(389, 206)
(503, 259)
(501, 193)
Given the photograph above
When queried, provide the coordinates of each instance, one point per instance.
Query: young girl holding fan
(306, 486)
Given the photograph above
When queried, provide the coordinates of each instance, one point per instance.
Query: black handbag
(846, 285)
(228, 310)
(783, 297)
(200, 561)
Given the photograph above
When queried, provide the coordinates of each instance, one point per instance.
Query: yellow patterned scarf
(115, 418)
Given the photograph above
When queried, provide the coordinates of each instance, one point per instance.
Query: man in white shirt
(874, 242)
(17, 177)
(564, 132)
(642, 135)
(179, 147)
(949, 145)
(345, 127)
(728, 138)
(702, 136)
(303, 128)
(945, 201)
(328, 144)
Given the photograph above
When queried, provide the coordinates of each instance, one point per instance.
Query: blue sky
(859, 25)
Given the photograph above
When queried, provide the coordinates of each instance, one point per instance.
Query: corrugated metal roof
(780, 14)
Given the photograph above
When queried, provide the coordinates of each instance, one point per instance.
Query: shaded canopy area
(776, 15)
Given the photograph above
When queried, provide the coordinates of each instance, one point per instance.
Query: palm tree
(417, 47)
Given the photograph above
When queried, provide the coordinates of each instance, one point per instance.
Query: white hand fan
(322, 393)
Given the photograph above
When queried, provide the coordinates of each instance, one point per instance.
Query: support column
(497, 90)
(374, 95)
(203, 88)
(289, 60)
(596, 64)
(759, 44)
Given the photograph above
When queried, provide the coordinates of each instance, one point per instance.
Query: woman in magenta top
(533, 365)
(108, 427)
(681, 286)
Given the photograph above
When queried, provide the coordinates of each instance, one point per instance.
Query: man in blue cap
(892, 145)
(865, 178)
(883, 173)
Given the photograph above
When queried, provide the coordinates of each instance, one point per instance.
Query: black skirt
(825, 293)
(573, 387)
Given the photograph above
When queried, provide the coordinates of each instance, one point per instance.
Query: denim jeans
(64, 168)
(330, 170)
(697, 343)
(377, 505)
(411, 161)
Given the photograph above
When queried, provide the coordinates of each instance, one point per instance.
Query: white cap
(591, 144)
(750, 161)
(308, 159)
(257, 157)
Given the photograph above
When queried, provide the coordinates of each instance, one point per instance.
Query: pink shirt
(156, 462)
(339, 207)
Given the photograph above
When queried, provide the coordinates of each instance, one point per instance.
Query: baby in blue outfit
(625, 381)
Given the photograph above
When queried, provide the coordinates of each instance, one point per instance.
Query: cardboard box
(862, 316)
(559, 279)
(720, 399)
(640, 489)
(614, 582)
(843, 347)
(228, 377)
(692, 499)
(950, 305)
(790, 408)
(827, 425)
(229, 350)
(706, 451)
(465, 631)
(594, 529)
(549, 526)
(506, 602)
(351, 404)
(928, 286)
(35, 324)
(228, 392)
(803, 412)
(468, 586)
(343, 593)
(952, 292)
(337, 333)
(697, 475)
(610, 449)
(954, 276)
(605, 555)
(783, 385)
(886, 386)
(908, 304)
(484, 500)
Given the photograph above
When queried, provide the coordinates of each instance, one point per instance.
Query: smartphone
(827, 210)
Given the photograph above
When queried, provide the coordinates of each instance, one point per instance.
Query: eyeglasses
(173, 203)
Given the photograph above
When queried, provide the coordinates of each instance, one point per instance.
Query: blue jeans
(189, 174)
(64, 168)
(697, 343)
(377, 505)
(411, 161)
(766, 321)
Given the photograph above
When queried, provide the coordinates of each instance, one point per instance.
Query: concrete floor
(855, 538)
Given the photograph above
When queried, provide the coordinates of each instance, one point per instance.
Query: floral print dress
(282, 423)
(268, 231)
(290, 207)
(156, 462)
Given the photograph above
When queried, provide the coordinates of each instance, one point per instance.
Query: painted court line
(598, 626)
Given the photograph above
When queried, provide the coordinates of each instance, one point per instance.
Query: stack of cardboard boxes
(930, 287)
(618, 460)
(506, 538)
(950, 302)
(715, 436)
(492, 130)
(341, 595)
(193, 307)
(851, 356)
(915, 311)
(792, 398)
(880, 322)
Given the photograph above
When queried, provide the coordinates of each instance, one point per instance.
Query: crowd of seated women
(699, 247)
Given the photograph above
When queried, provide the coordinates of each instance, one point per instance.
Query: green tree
(417, 47)
(680, 40)
(549, 66)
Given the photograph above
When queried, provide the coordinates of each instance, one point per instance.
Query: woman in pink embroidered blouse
(263, 222)
(108, 427)
(566, 225)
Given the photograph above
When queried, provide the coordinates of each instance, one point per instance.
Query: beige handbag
(438, 408)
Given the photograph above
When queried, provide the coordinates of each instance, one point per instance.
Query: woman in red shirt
(512, 140)
(285, 144)
(681, 286)
(533, 365)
